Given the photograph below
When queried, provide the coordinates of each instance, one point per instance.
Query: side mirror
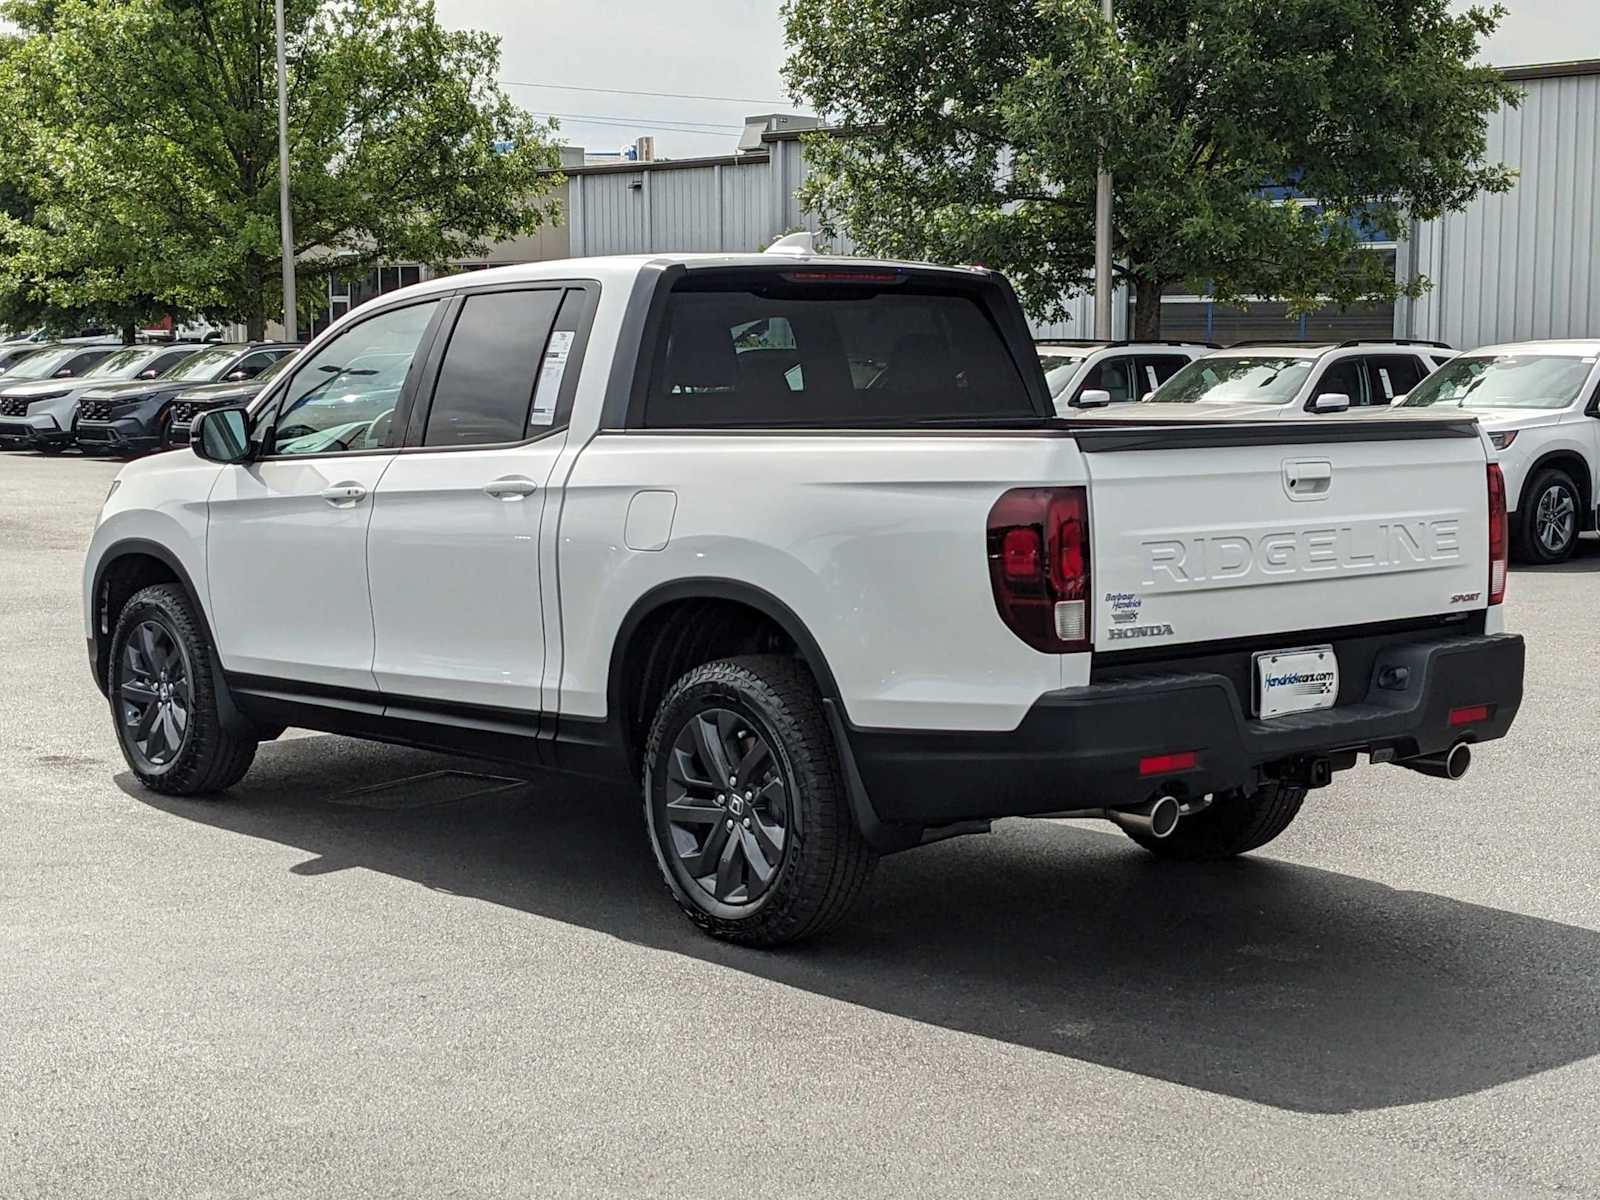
(236, 376)
(221, 435)
(1400, 399)
(1093, 398)
(150, 374)
(1331, 402)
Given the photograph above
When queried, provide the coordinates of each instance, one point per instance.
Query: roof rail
(1395, 342)
(1282, 342)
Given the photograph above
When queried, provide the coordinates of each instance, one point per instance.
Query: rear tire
(716, 835)
(1548, 518)
(163, 695)
(1236, 823)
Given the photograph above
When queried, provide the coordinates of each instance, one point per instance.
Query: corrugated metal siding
(1525, 264)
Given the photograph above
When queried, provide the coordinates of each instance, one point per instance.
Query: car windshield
(1504, 381)
(43, 364)
(1236, 379)
(124, 364)
(205, 366)
(1058, 367)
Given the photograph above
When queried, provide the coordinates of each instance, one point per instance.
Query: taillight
(1039, 566)
(1498, 538)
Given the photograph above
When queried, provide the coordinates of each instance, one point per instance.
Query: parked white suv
(1291, 379)
(801, 545)
(1540, 404)
(1095, 374)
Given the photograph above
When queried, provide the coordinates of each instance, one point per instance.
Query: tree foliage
(972, 132)
(145, 134)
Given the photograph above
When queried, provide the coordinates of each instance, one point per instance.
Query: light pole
(285, 220)
(1102, 237)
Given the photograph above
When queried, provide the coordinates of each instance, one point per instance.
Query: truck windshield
(810, 348)
(1504, 381)
(1236, 379)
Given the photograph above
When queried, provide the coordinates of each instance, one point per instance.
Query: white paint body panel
(288, 570)
(877, 543)
(1213, 543)
(455, 576)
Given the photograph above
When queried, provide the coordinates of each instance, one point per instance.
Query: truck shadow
(1284, 985)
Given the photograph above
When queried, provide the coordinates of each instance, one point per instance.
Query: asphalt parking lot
(470, 984)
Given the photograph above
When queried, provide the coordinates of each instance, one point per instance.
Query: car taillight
(1039, 566)
(1497, 534)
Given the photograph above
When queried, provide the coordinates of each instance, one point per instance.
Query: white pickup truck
(799, 544)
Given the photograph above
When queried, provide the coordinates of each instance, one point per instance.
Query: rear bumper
(1082, 747)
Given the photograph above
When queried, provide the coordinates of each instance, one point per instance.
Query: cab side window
(1392, 375)
(485, 391)
(253, 364)
(343, 397)
(1156, 369)
(1114, 375)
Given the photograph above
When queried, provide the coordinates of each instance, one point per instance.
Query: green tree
(972, 132)
(145, 132)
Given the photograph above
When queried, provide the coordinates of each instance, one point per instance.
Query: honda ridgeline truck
(799, 545)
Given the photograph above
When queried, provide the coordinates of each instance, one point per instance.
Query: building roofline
(664, 164)
(1557, 70)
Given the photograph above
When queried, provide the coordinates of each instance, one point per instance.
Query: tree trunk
(1146, 310)
(256, 327)
(130, 332)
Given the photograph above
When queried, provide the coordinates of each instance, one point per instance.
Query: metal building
(1525, 264)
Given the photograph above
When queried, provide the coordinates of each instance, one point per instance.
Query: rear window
(772, 351)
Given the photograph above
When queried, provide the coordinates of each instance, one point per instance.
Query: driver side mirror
(221, 435)
(236, 376)
(1331, 402)
(1093, 398)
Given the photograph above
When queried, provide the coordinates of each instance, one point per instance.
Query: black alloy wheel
(726, 807)
(155, 695)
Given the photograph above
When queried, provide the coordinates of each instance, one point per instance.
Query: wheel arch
(651, 613)
(126, 567)
(1572, 462)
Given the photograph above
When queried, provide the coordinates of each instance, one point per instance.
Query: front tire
(1235, 823)
(1547, 518)
(164, 700)
(745, 806)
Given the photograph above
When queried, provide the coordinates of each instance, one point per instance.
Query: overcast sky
(734, 48)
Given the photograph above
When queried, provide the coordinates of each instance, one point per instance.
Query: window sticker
(551, 373)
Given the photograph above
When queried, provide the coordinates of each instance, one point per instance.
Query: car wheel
(163, 698)
(1547, 525)
(1236, 822)
(745, 805)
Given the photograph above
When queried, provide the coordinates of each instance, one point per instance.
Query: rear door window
(1390, 376)
(486, 383)
(1156, 369)
(769, 349)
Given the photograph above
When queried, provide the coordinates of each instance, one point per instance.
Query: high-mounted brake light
(844, 277)
(1498, 536)
(1039, 566)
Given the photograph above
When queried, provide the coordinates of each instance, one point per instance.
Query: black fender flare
(233, 719)
(883, 836)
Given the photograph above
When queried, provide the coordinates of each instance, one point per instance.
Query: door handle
(344, 495)
(513, 487)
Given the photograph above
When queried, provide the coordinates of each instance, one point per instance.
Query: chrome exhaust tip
(1452, 764)
(1155, 818)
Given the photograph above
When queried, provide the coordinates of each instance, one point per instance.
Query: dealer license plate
(1291, 681)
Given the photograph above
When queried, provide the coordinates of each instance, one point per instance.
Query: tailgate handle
(1307, 479)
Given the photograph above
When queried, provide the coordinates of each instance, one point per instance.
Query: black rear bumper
(1083, 747)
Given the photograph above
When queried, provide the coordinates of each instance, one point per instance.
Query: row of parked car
(1539, 403)
(108, 398)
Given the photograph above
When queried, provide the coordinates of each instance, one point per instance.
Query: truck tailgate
(1205, 533)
